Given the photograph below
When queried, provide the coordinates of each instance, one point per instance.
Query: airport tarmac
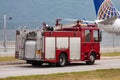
(27, 69)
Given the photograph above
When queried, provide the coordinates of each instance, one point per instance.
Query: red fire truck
(61, 45)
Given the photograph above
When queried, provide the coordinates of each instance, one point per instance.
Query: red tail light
(17, 54)
(17, 32)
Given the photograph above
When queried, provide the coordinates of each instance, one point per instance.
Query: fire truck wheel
(62, 60)
(91, 60)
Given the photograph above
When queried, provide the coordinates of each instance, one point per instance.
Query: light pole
(113, 38)
(4, 43)
(5, 32)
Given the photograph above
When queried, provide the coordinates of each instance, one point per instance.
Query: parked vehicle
(61, 45)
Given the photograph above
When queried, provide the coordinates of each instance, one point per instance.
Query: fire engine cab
(60, 45)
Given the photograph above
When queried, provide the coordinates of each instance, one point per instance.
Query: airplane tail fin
(105, 9)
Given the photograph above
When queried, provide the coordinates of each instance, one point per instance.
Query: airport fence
(108, 41)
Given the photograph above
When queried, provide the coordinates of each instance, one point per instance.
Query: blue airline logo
(106, 9)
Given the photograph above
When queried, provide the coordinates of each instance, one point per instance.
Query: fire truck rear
(61, 45)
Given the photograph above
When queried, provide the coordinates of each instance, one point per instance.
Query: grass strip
(7, 59)
(11, 58)
(110, 54)
(103, 74)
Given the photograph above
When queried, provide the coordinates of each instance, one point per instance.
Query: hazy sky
(46, 10)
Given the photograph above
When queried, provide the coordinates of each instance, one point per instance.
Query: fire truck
(59, 45)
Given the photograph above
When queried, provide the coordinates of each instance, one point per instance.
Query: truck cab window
(87, 35)
(96, 35)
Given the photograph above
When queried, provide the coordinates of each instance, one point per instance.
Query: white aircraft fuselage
(113, 28)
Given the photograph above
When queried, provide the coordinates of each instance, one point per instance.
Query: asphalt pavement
(27, 69)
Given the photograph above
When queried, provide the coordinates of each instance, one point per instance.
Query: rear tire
(91, 60)
(62, 60)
